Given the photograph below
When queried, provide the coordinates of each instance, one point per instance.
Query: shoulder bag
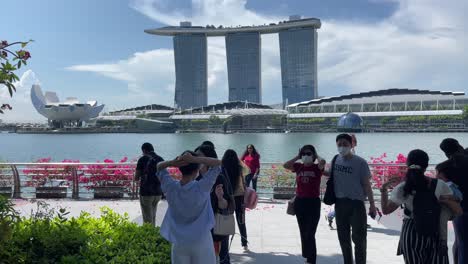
(224, 219)
(329, 198)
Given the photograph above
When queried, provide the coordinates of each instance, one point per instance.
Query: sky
(97, 49)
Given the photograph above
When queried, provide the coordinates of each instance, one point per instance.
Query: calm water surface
(272, 147)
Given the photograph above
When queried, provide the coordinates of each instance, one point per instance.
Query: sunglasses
(307, 154)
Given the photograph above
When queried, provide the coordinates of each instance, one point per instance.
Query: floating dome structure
(71, 109)
(350, 122)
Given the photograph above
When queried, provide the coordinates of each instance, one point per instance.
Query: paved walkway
(273, 235)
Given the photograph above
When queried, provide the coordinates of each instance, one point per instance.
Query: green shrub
(8, 217)
(111, 238)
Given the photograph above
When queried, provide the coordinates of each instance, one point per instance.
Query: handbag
(224, 224)
(290, 210)
(329, 198)
(224, 219)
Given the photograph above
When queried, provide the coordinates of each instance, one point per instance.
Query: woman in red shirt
(307, 203)
(251, 158)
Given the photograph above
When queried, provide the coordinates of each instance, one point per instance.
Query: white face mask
(344, 150)
(307, 159)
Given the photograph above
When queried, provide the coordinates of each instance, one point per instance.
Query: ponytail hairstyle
(415, 180)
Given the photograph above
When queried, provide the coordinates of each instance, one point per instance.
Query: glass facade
(244, 66)
(190, 54)
(298, 51)
(349, 122)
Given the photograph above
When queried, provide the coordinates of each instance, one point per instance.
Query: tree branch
(12, 53)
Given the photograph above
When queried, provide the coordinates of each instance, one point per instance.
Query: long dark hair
(246, 152)
(233, 167)
(207, 150)
(312, 149)
(417, 162)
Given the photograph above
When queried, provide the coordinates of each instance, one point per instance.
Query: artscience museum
(68, 113)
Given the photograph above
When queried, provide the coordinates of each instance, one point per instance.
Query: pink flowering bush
(382, 169)
(43, 175)
(110, 174)
(6, 179)
(277, 176)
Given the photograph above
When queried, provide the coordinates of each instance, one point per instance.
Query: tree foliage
(11, 60)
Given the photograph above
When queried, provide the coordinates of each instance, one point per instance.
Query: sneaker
(246, 248)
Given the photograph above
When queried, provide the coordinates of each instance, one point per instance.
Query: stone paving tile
(273, 235)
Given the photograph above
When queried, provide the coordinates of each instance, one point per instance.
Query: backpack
(150, 184)
(250, 198)
(426, 211)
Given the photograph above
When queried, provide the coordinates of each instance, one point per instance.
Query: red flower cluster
(23, 54)
(175, 173)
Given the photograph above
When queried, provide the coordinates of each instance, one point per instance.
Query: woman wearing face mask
(307, 203)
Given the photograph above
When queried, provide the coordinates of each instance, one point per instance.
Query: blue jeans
(250, 178)
(461, 234)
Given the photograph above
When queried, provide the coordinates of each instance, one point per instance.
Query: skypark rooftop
(213, 31)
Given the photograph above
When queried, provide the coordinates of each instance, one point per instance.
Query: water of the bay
(272, 147)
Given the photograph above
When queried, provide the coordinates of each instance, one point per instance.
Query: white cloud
(420, 46)
(150, 78)
(23, 110)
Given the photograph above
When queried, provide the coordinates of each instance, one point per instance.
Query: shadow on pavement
(280, 258)
(389, 232)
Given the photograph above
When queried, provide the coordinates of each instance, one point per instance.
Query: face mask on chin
(344, 150)
(307, 159)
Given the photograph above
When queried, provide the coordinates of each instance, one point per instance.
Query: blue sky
(98, 50)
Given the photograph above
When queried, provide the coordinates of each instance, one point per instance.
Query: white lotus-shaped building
(71, 109)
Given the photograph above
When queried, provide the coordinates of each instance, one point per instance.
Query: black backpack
(150, 184)
(426, 211)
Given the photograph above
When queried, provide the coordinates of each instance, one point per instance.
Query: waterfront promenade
(273, 235)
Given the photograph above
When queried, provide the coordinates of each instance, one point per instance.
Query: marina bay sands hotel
(298, 54)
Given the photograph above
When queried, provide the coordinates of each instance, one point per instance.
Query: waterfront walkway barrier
(83, 180)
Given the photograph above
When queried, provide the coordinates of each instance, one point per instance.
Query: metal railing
(76, 180)
(86, 180)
